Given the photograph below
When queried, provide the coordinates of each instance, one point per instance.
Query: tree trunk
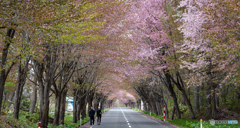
(102, 103)
(90, 100)
(75, 106)
(217, 97)
(57, 108)
(144, 105)
(173, 111)
(50, 60)
(22, 76)
(44, 119)
(39, 69)
(4, 72)
(160, 108)
(176, 108)
(201, 94)
(172, 93)
(188, 104)
(78, 110)
(81, 103)
(180, 86)
(208, 101)
(33, 99)
(4, 101)
(154, 108)
(83, 112)
(214, 109)
(95, 104)
(197, 109)
(63, 106)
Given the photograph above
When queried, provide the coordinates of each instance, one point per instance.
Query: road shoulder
(158, 120)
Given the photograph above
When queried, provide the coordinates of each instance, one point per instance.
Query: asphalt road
(126, 118)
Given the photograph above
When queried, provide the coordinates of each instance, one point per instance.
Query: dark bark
(39, 71)
(138, 104)
(197, 106)
(188, 104)
(81, 107)
(201, 94)
(224, 94)
(173, 95)
(208, 101)
(22, 76)
(180, 86)
(173, 111)
(58, 99)
(83, 112)
(64, 75)
(57, 108)
(217, 96)
(153, 106)
(102, 105)
(160, 108)
(145, 106)
(95, 104)
(4, 72)
(75, 102)
(238, 93)
(97, 99)
(81, 103)
(50, 60)
(79, 110)
(63, 106)
(158, 101)
(167, 82)
(214, 109)
(176, 108)
(33, 99)
(90, 99)
(102, 102)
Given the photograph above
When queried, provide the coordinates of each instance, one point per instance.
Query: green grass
(69, 124)
(68, 121)
(27, 120)
(105, 110)
(190, 123)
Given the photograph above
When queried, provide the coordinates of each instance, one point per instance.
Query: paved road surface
(126, 118)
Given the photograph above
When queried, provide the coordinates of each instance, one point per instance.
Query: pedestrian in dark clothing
(91, 114)
(99, 115)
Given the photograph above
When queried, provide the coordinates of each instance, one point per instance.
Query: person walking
(99, 115)
(91, 114)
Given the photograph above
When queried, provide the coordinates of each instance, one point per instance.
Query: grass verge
(27, 120)
(190, 123)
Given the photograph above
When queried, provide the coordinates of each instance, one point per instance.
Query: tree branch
(32, 81)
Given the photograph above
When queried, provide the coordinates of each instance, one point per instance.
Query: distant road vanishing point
(122, 117)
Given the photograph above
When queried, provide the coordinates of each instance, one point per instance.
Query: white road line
(125, 118)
